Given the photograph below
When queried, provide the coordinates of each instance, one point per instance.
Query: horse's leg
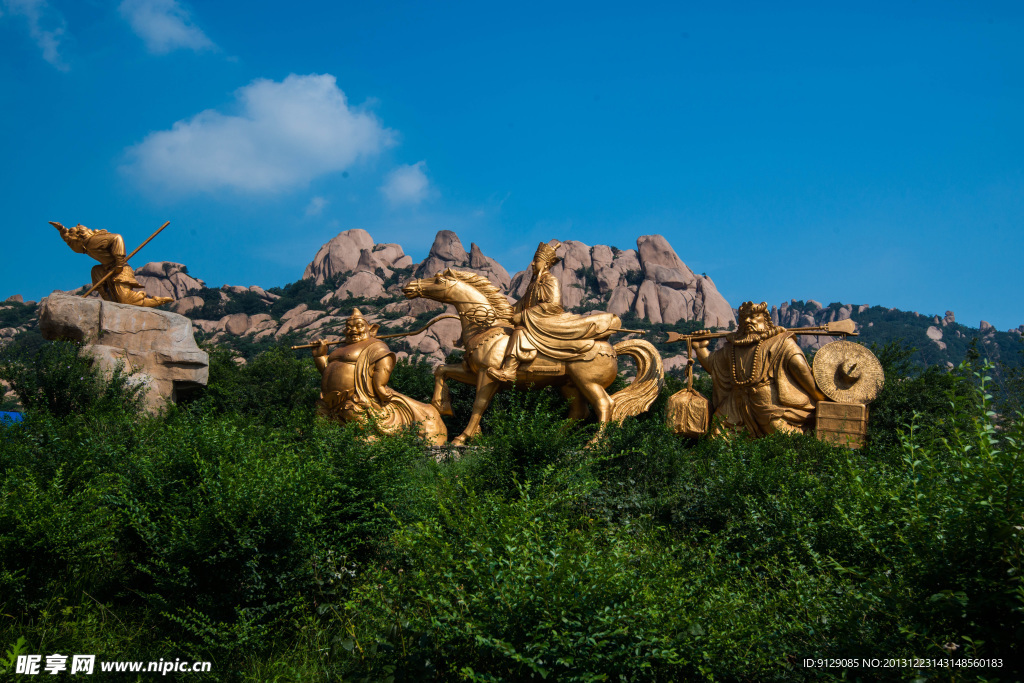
(578, 408)
(485, 389)
(591, 378)
(442, 397)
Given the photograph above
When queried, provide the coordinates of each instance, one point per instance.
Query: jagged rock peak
(651, 282)
(447, 252)
(165, 278)
(344, 253)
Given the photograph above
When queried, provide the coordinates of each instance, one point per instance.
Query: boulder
(621, 301)
(165, 278)
(414, 307)
(369, 263)
(157, 347)
(437, 342)
(447, 252)
(297, 321)
(340, 255)
(186, 304)
(236, 323)
(291, 313)
(361, 285)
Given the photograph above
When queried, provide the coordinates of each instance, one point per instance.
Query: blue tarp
(7, 417)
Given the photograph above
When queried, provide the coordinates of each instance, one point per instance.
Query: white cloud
(316, 206)
(38, 13)
(164, 25)
(407, 184)
(285, 135)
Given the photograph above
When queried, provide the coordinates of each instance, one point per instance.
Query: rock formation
(156, 346)
(651, 282)
(364, 265)
(447, 252)
(164, 278)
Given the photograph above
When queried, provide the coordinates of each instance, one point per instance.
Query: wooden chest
(844, 424)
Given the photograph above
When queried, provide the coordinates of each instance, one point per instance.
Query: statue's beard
(749, 338)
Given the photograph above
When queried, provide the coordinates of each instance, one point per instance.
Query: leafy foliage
(61, 379)
(243, 530)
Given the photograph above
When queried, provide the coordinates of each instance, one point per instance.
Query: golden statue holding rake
(762, 382)
(113, 277)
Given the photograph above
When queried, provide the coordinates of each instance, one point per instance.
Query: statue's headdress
(547, 252)
(749, 307)
(358, 315)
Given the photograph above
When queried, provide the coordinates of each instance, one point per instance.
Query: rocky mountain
(938, 341)
(648, 283)
(650, 286)
(651, 283)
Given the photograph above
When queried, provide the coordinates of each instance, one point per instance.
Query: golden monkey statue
(108, 249)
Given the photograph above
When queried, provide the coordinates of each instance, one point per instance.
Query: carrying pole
(839, 328)
(446, 316)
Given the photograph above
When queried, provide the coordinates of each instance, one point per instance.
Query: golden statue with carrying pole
(763, 384)
(354, 385)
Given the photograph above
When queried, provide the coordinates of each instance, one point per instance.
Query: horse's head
(436, 288)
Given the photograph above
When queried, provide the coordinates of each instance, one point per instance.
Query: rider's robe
(547, 328)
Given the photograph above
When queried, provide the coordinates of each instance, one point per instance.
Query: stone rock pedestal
(156, 346)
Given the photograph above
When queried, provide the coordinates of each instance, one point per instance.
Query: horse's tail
(650, 377)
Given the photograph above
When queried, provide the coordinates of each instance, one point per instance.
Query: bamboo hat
(847, 372)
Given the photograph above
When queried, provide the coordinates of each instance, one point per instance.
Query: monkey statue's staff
(113, 278)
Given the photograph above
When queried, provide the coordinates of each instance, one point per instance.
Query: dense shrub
(277, 388)
(243, 530)
(61, 379)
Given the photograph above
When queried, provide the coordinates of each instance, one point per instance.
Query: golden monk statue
(108, 249)
(541, 324)
(355, 385)
(761, 379)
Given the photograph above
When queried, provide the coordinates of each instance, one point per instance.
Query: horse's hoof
(460, 440)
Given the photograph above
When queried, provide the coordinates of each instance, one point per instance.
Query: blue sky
(858, 152)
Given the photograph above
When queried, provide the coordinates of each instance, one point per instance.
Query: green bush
(277, 388)
(62, 379)
(243, 530)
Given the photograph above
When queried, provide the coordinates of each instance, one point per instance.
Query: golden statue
(355, 385)
(761, 379)
(542, 325)
(537, 344)
(761, 382)
(113, 278)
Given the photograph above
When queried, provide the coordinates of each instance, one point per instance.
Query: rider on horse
(542, 325)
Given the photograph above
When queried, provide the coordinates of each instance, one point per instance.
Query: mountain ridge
(650, 285)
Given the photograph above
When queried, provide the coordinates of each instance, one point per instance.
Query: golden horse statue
(485, 315)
